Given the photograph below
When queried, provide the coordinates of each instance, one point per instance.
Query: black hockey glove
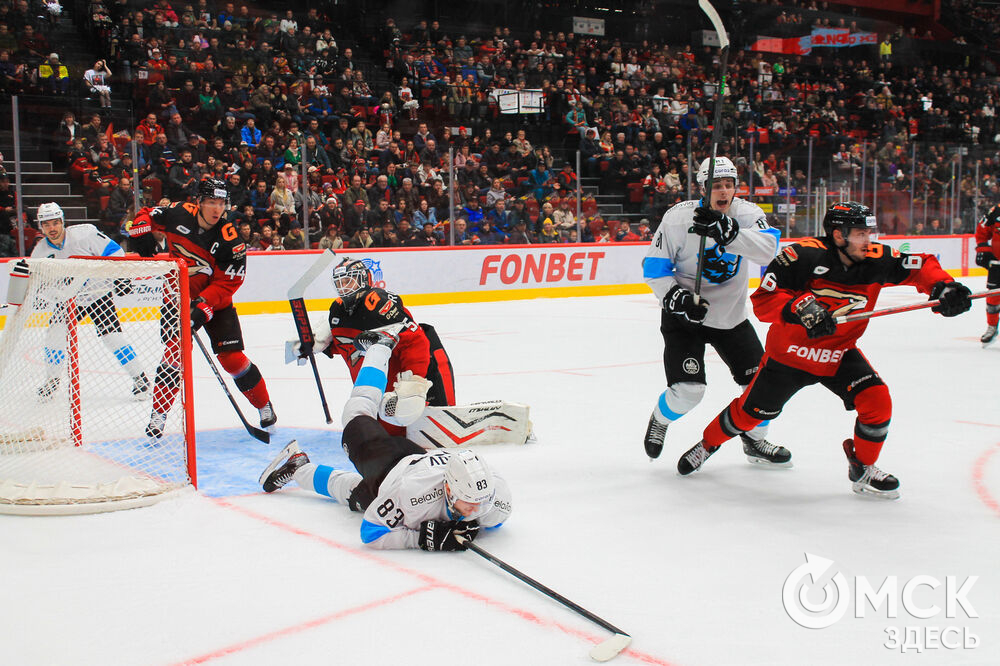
(717, 226)
(954, 297)
(993, 275)
(201, 313)
(441, 534)
(679, 301)
(814, 316)
(984, 256)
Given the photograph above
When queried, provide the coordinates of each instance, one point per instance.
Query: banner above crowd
(820, 37)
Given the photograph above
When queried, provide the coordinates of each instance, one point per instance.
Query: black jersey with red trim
(814, 265)
(373, 308)
(216, 257)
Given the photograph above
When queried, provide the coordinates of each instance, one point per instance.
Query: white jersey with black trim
(413, 492)
(81, 240)
(672, 259)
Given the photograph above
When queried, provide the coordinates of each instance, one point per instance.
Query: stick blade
(610, 648)
(716, 21)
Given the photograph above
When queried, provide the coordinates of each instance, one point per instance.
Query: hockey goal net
(79, 362)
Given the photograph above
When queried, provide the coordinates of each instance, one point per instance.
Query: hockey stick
(858, 316)
(604, 651)
(297, 302)
(713, 16)
(256, 433)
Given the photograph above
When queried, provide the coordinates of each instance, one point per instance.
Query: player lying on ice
(807, 285)
(411, 498)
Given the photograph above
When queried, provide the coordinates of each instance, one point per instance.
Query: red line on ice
(978, 472)
(430, 583)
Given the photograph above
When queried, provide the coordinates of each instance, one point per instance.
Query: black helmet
(848, 214)
(212, 188)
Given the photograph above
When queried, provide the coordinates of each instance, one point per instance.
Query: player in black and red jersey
(805, 287)
(216, 260)
(363, 307)
(987, 252)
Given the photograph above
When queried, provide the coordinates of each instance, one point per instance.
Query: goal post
(82, 359)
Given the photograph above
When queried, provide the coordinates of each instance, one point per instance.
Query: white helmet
(48, 211)
(469, 479)
(724, 168)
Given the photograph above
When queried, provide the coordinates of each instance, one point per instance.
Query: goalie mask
(468, 479)
(351, 276)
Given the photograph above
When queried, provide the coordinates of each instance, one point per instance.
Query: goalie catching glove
(405, 403)
(442, 534)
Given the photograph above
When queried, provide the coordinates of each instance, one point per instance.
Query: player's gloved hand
(814, 316)
(201, 313)
(954, 297)
(984, 256)
(711, 223)
(679, 301)
(993, 275)
(445, 534)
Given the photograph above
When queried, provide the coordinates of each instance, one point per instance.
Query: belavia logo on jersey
(816, 595)
(542, 267)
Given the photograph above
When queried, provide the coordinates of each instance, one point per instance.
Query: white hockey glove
(322, 338)
(405, 403)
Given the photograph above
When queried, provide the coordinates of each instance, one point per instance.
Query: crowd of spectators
(249, 96)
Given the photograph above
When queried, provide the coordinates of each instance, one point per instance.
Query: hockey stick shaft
(256, 433)
(552, 594)
(720, 30)
(306, 339)
(844, 319)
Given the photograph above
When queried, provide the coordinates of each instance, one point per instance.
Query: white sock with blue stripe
(678, 400)
(336, 484)
(369, 386)
(124, 352)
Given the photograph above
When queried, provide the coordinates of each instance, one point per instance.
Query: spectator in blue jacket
(472, 212)
(250, 133)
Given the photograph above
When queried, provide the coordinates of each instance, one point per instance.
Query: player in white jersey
(411, 497)
(83, 240)
(736, 232)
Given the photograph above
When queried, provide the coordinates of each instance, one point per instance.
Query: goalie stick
(603, 651)
(713, 16)
(858, 316)
(296, 300)
(256, 433)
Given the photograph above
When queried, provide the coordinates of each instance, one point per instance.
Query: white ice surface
(692, 567)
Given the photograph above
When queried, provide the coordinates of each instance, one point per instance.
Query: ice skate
(694, 458)
(763, 452)
(268, 418)
(157, 422)
(140, 387)
(989, 337)
(282, 468)
(386, 335)
(46, 390)
(656, 435)
(869, 479)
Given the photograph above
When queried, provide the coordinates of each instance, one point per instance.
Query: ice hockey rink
(693, 568)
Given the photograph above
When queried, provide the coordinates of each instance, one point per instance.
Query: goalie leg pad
(488, 422)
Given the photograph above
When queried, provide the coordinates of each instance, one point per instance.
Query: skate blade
(990, 343)
(765, 464)
(876, 494)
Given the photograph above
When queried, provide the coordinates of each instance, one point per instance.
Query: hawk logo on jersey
(840, 302)
(195, 263)
(356, 355)
(720, 266)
